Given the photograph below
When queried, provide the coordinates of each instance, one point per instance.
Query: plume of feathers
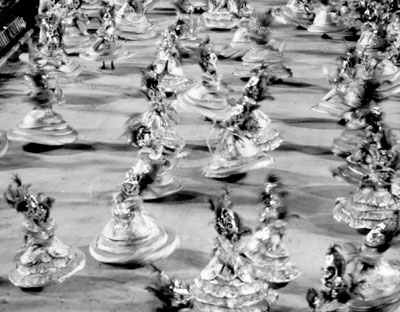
(165, 290)
(16, 193)
(219, 206)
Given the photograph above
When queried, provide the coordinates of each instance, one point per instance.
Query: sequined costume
(132, 22)
(167, 64)
(271, 262)
(43, 258)
(157, 157)
(265, 50)
(363, 280)
(42, 125)
(106, 47)
(187, 29)
(75, 37)
(371, 40)
(378, 150)
(174, 293)
(210, 97)
(51, 55)
(326, 21)
(354, 134)
(132, 235)
(376, 200)
(225, 14)
(226, 284)
(244, 140)
(296, 12)
(348, 88)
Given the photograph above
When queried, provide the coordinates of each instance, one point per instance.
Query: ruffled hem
(174, 84)
(57, 270)
(213, 295)
(157, 245)
(220, 20)
(221, 168)
(288, 16)
(368, 222)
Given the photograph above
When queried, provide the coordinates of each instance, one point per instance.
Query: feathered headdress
(34, 208)
(227, 222)
(174, 293)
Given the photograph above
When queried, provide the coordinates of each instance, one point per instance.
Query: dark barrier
(16, 17)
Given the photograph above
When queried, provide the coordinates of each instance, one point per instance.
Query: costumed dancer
(225, 14)
(161, 117)
(132, 22)
(241, 42)
(226, 282)
(378, 150)
(167, 63)
(296, 12)
(265, 50)
(174, 294)
(327, 21)
(75, 37)
(42, 125)
(363, 280)
(51, 55)
(358, 119)
(376, 200)
(348, 87)
(132, 236)
(335, 291)
(266, 249)
(187, 29)
(372, 39)
(244, 140)
(106, 48)
(210, 97)
(43, 259)
(160, 151)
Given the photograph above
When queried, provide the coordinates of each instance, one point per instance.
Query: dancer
(365, 281)
(167, 63)
(265, 50)
(210, 97)
(375, 200)
(43, 259)
(42, 125)
(225, 14)
(243, 140)
(158, 156)
(226, 283)
(106, 48)
(296, 12)
(266, 249)
(132, 22)
(132, 235)
(75, 36)
(328, 22)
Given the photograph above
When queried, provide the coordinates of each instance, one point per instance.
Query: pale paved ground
(83, 175)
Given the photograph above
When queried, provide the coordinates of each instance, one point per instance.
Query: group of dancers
(248, 265)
